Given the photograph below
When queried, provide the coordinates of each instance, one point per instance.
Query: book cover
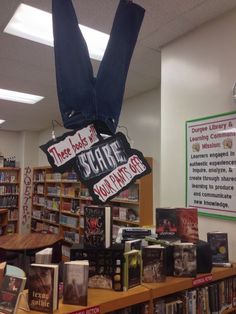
(75, 282)
(166, 223)
(2, 271)
(134, 244)
(10, 293)
(44, 256)
(132, 269)
(219, 246)
(97, 226)
(43, 287)
(154, 263)
(185, 260)
(187, 224)
(105, 265)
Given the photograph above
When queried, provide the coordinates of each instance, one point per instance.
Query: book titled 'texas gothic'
(43, 287)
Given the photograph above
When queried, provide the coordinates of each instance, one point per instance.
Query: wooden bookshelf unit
(58, 201)
(9, 197)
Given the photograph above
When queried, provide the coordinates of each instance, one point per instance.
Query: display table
(109, 300)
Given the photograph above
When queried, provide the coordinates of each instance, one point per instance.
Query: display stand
(109, 300)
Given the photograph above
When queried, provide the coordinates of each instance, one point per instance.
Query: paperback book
(43, 287)
(132, 269)
(219, 247)
(185, 260)
(154, 263)
(44, 256)
(10, 292)
(97, 226)
(134, 244)
(166, 223)
(187, 224)
(75, 282)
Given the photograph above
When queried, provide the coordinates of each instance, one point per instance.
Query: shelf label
(90, 310)
(201, 280)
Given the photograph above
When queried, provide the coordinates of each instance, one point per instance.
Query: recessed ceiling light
(19, 97)
(2, 121)
(36, 25)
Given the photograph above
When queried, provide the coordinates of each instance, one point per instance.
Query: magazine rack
(104, 264)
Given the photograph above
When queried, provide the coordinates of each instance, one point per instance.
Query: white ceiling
(29, 67)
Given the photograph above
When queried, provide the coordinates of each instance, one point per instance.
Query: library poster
(211, 165)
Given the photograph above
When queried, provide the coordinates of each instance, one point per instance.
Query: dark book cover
(132, 269)
(43, 287)
(97, 226)
(187, 224)
(75, 282)
(214, 304)
(10, 293)
(166, 223)
(105, 265)
(219, 246)
(185, 260)
(154, 263)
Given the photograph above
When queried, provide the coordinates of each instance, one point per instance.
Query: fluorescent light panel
(36, 25)
(2, 121)
(19, 97)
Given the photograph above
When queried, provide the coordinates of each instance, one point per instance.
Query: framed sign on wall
(211, 165)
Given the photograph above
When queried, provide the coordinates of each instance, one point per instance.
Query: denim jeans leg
(112, 74)
(74, 73)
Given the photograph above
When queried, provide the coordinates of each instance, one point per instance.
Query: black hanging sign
(109, 167)
(105, 166)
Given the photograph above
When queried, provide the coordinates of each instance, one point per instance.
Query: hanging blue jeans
(83, 98)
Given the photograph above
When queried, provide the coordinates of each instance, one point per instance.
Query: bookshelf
(58, 203)
(109, 300)
(9, 199)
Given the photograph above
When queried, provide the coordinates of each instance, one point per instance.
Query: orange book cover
(187, 224)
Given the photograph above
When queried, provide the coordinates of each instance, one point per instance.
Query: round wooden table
(31, 241)
(24, 243)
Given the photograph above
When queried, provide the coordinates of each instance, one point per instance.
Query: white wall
(44, 137)
(198, 72)
(10, 145)
(141, 116)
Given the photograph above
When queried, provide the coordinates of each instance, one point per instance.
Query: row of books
(69, 221)
(8, 201)
(213, 298)
(39, 189)
(8, 177)
(72, 236)
(40, 176)
(12, 214)
(54, 190)
(124, 213)
(43, 227)
(132, 193)
(9, 189)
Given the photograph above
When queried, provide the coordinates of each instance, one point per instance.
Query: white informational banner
(211, 165)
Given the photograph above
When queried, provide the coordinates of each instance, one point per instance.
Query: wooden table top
(29, 241)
